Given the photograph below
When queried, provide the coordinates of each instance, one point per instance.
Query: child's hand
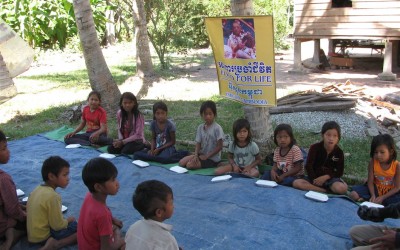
(320, 180)
(118, 143)
(236, 169)
(69, 135)
(274, 176)
(247, 170)
(372, 199)
(71, 219)
(156, 151)
(202, 157)
(385, 242)
(194, 160)
(94, 138)
(117, 222)
(379, 199)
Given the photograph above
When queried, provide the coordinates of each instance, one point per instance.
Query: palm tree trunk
(100, 77)
(258, 117)
(144, 63)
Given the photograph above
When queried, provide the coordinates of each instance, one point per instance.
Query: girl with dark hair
(288, 158)
(383, 184)
(243, 154)
(130, 127)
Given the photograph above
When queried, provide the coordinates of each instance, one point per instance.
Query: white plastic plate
(178, 169)
(316, 196)
(73, 146)
(266, 183)
(20, 192)
(371, 204)
(107, 155)
(25, 199)
(63, 208)
(140, 163)
(221, 178)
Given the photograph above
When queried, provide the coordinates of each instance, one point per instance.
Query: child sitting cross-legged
(45, 222)
(155, 202)
(97, 228)
(12, 213)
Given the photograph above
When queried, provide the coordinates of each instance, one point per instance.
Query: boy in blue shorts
(45, 222)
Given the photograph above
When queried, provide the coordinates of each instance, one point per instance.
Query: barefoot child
(130, 127)
(162, 137)
(288, 159)
(12, 214)
(97, 228)
(244, 155)
(383, 183)
(325, 163)
(45, 223)
(95, 118)
(154, 200)
(209, 137)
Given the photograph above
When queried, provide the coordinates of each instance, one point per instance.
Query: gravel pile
(351, 123)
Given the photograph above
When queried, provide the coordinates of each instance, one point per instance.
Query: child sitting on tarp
(162, 139)
(94, 117)
(12, 214)
(45, 223)
(325, 163)
(383, 182)
(288, 158)
(209, 140)
(130, 123)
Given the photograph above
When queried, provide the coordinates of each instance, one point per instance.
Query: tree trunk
(100, 77)
(258, 117)
(144, 63)
(110, 28)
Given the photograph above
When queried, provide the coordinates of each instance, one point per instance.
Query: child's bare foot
(354, 196)
(51, 244)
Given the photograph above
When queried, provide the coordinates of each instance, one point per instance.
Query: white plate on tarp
(178, 169)
(221, 178)
(107, 155)
(73, 146)
(316, 196)
(140, 163)
(25, 199)
(266, 183)
(20, 192)
(371, 204)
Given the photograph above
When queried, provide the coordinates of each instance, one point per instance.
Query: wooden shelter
(349, 20)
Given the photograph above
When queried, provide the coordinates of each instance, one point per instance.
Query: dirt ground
(200, 82)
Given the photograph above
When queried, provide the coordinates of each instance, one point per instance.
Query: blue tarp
(234, 214)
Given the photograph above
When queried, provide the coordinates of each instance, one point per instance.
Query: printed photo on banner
(239, 38)
(243, 49)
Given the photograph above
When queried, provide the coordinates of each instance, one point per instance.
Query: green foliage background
(173, 25)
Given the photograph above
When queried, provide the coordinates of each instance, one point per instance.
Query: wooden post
(387, 74)
(297, 66)
(317, 47)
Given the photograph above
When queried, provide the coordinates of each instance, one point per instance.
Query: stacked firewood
(382, 114)
(333, 97)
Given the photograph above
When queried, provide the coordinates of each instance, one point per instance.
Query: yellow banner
(244, 56)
